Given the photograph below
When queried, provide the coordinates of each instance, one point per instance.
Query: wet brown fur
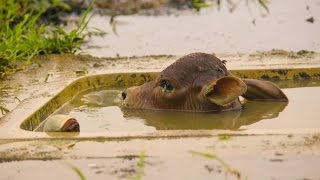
(189, 75)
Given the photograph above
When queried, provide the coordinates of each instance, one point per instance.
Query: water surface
(97, 112)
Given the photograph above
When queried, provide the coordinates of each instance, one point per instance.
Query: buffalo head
(198, 82)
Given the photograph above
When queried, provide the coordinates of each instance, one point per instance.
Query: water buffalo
(198, 82)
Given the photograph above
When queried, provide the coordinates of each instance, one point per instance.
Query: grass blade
(77, 171)
(221, 161)
(264, 3)
(140, 165)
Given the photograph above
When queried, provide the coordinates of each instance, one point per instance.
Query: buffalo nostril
(123, 95)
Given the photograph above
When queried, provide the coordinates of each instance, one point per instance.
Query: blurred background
(225, 26)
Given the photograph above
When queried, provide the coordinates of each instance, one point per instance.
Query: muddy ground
(246, 30)
(251, 157)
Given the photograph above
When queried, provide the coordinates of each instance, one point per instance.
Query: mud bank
(253, 157)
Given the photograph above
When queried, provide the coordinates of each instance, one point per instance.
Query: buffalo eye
(167, 86)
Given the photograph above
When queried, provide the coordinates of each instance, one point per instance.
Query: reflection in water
(252, 112)
(96, 112)
(170, 120)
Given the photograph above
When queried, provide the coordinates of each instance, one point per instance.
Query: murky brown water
(100, 114)
(210, 30)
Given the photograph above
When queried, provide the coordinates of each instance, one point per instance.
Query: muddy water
(210, 30)
(96, 111)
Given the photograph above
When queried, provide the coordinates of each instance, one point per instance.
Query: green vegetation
(24, 33)
(140, 166)
(4, 110)
(224, 137)
(77, 171)
(264, 4)
(221, 161)
(198, 4)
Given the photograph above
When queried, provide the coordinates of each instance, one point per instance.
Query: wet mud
(119, 160)
(247, 30)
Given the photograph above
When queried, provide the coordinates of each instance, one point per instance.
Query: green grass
(23, 35)
(221, 161)
(77, 171)
(200, 4)
(139, 174)
(224, 137)
(3, 110)
(197, 4)
(140, 165)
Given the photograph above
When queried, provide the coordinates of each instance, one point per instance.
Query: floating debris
(310, 19)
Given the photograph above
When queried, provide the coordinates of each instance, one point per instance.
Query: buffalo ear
(260, 90)
(224, 90)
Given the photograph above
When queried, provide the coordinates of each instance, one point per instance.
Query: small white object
(55, 123)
